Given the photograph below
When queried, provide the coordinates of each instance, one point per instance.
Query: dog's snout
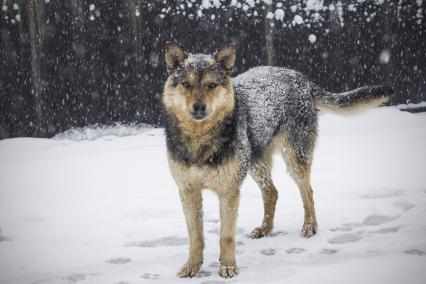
(199, 107)
(199, 110)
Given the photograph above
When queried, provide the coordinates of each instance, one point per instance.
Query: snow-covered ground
(106, 210)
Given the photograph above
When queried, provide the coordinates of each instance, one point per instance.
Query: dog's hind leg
(261, 173)
(299, 167)
(191, 200)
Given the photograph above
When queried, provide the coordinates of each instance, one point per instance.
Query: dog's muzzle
(198, 111)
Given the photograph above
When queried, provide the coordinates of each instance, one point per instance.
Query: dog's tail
(352, 102)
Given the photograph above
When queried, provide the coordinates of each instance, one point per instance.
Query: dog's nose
(199, 107)
(199, 111)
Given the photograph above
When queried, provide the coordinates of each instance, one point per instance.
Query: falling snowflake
(312, 38)
(384, 56)
(279, 14)
(298, 20)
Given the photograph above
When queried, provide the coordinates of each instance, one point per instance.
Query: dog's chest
(218, 177)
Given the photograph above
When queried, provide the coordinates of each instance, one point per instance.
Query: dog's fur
(248, 118)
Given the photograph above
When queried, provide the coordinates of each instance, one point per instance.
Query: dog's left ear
(226, 57)
(174, 56)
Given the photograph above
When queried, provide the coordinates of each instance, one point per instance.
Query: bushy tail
(352, 102)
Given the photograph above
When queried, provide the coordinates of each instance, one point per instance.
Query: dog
(219, 128)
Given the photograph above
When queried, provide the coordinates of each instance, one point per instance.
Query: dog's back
(275, 100)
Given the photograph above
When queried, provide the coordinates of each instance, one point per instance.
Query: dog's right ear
(174, 56)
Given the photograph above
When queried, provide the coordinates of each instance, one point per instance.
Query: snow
(298, 20)
(316, 5)
(92, 7)
(97, 131)
(352, 8)
(312, 38)
(251, 3)
(411, 106)
(313, 12)
(384, 56)
(206, 4)
(105, 209)
(279, 14)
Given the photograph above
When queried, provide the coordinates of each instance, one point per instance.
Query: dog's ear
(174, 56)
(226, 57)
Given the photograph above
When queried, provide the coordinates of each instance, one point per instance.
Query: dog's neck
(201, 143)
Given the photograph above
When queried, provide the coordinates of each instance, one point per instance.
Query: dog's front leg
(229, 201)
(191, 200)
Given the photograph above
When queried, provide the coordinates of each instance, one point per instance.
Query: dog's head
(199, 86)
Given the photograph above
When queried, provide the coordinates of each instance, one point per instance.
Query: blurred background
(74, 63)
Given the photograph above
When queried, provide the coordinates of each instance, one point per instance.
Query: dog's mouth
(198, 115)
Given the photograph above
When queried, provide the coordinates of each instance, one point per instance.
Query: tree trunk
(35, 14)
(269, 37)
(77, 23)
(136, 21)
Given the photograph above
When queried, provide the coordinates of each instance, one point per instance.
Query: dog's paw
(309, 230)
(260, 232)
(228, 271)
(190, 269)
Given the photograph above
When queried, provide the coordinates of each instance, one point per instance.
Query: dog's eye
(211, 86)
(186, 85)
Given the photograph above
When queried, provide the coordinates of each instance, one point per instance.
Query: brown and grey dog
(219, 129)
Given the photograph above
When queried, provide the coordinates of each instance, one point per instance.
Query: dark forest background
(74, 63)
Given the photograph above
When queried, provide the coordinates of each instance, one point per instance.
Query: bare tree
(77, 24)
(269, 36)
(35, 15)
